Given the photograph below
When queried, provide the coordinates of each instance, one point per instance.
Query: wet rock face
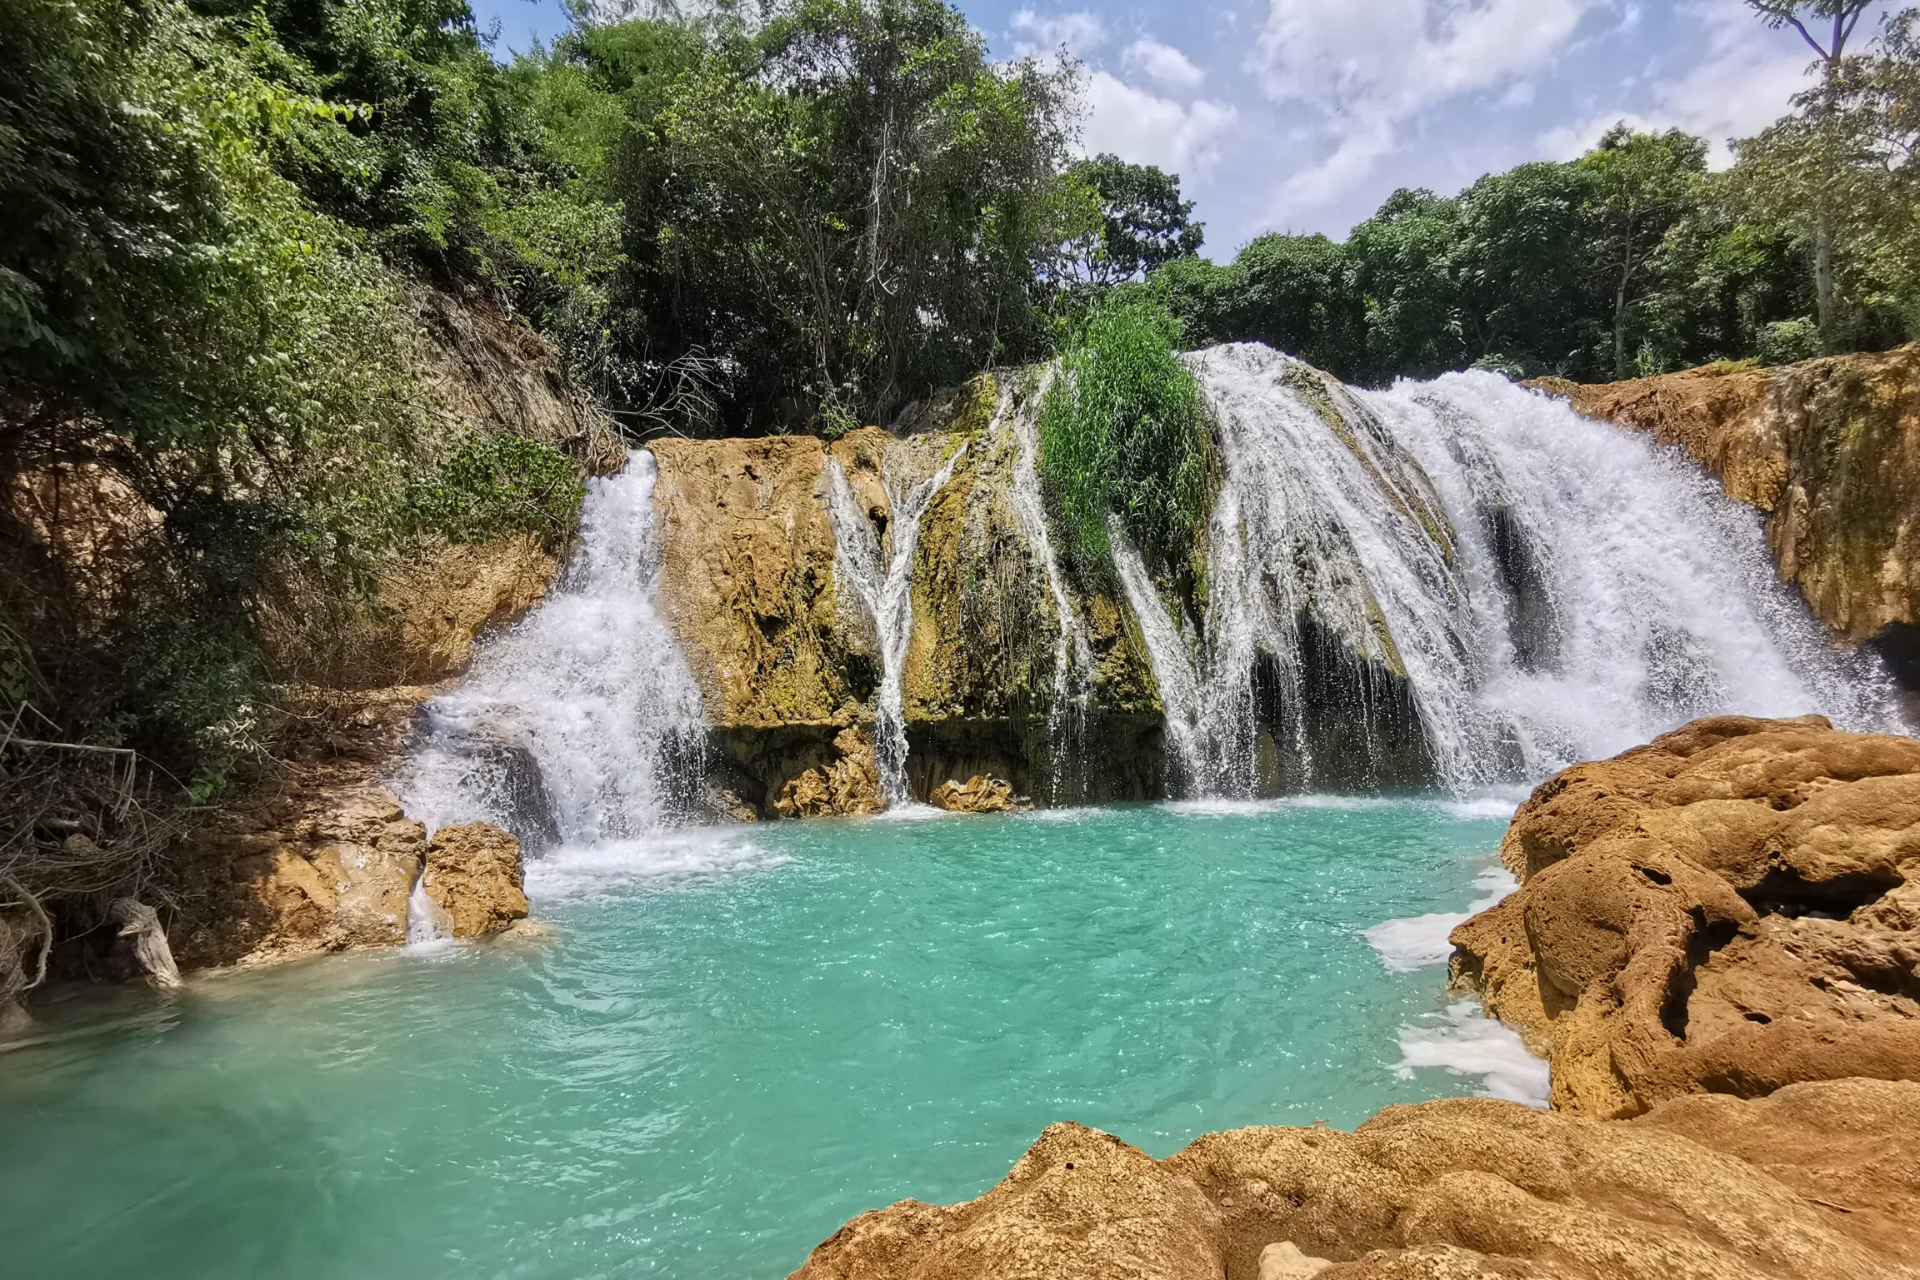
(1729, 909)
(474, 876)
(788, 658)
(1810, 1181)
(1829, 450)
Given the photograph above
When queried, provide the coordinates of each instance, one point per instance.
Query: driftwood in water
(140, 924)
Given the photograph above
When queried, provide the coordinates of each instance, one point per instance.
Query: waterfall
(887, 593)
(1072, 656)
(583, 722)
(1525, 586)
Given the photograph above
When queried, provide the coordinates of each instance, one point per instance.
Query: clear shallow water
(714, 1049)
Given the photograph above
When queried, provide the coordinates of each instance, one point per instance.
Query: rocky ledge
(1729, 909)
(1816, 1180)
(1715, 943)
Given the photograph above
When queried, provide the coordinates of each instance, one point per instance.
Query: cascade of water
(1072, 656)
(583, 723)
(1180, 694)
(1543, 587)
(887, 593)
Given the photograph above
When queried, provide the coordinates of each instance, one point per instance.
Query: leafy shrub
(1789, 341)
(497, 485)
(1122, 432)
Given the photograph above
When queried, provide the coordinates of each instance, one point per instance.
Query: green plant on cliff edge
(496, 485)
(1123, 433)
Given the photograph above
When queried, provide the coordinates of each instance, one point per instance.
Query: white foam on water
(575, 725)
(1466, 1042)
(696, 854)
(1420, 942)
(911, 811)
(1500, 804)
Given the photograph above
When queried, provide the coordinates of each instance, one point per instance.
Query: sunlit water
(715, 1048)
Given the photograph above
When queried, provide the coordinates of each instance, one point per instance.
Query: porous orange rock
(1728, 909)
(978, 794)
(1796, 1185)
(475, 877)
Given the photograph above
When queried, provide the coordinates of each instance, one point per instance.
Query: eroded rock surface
(787, 654)
(1729, 909)
(475, 878)
(978, 794)
(1813, 1181)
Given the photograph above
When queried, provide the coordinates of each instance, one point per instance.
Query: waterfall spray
(1535, 587)
(583, 723)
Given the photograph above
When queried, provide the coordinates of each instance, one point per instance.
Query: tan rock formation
(1729, 909)
(787, 657)
(978, 794)
(474, 876)
(849, 786)
(1814, 1181)
(1828, 449)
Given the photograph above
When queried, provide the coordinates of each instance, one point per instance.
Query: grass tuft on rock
(1123, 432)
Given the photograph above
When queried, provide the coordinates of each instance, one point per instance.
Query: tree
(1643, 184)
(1406, 272)
(1144, 222)
(850, 202)
(1522, 269)
(1826, 26)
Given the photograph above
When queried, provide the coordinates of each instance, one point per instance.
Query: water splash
(583, 723)
(1535, 586)
(887, 594)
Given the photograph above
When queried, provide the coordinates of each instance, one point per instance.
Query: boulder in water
(979, 794)
(1729, 909)
(474, 876)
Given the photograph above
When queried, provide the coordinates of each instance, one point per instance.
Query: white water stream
(1552, 587)
(581, 724)
(887, 593)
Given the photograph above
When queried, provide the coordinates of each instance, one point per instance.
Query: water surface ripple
(714, 1048)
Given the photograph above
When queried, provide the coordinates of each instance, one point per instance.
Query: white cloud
(1744, 82)
(1038, 33)
(1164, 64)
(1365, 71)
(1570, 141)
(1140, 126)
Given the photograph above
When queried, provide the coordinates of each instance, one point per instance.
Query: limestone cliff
(316, 855)
(787, 653)
(1830, 451)
(1816, 1180)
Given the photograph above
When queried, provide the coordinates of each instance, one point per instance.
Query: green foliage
(839, 211)
(1294, 293)
(1632, 259)
(1788, 341)
(1143, 222)
(1123, 433)
(496, 485)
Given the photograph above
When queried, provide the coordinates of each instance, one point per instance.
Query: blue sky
(1303, 115)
